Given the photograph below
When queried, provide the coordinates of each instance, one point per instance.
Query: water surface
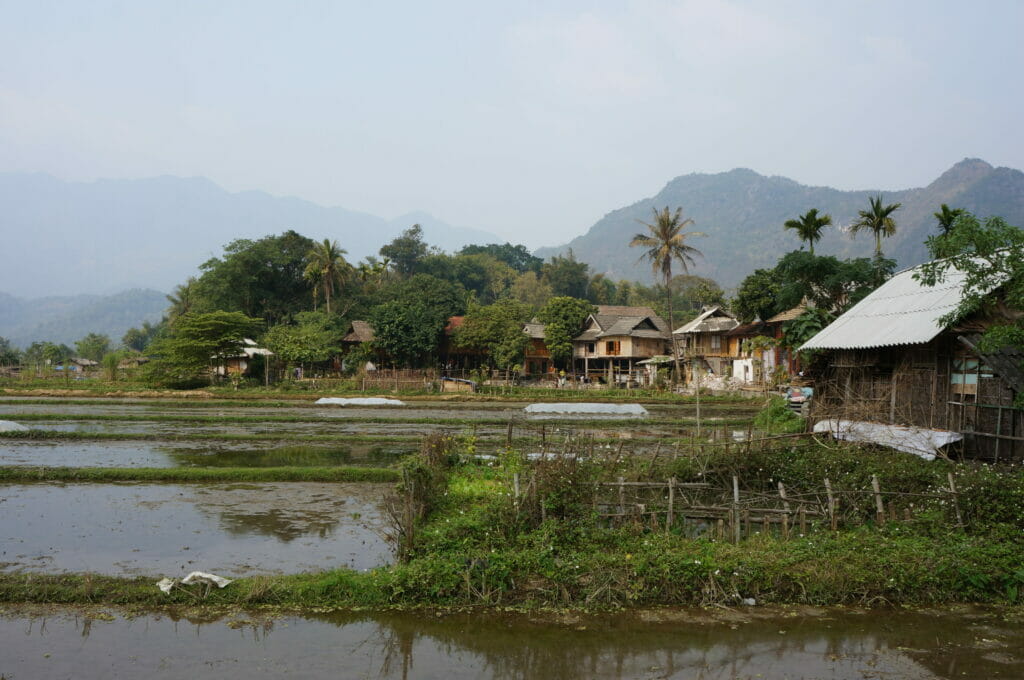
(172, 529)
(833, 644)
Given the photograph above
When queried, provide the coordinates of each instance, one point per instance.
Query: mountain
(69, 318)
(111, 234)
(742, 213)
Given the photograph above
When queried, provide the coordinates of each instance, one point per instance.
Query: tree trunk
(671, 331)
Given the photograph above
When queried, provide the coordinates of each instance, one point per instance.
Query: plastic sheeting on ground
(360, 401)
(165, 584)
(919, 441)
(11, 426)
(604, 409)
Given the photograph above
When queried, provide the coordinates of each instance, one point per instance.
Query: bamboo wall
(939, 386)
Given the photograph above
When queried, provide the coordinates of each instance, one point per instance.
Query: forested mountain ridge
(742, 213)
(113, 234)
(65, 319)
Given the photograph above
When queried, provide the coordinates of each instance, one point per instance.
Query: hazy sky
(528, 119)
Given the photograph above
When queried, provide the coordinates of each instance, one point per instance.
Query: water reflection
(293, 456)
(831, 644)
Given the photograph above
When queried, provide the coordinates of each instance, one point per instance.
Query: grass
(851, 568)
(19, 475)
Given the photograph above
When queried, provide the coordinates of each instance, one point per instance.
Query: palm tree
(666, 243)
(183, 299)
(947, 216)
(326, 269)
(808, 227)
(877, 220)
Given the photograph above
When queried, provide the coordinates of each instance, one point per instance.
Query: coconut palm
(326, 269)
(666, 244)
(877, 220)
(947, 216)
(808, 227)
(183, 299)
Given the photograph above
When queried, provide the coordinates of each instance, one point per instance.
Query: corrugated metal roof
(901, 311)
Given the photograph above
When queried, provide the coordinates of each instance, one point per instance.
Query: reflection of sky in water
(169, 529)
(187, 454)
(839, 644)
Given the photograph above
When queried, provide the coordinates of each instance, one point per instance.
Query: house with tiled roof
(614, 339)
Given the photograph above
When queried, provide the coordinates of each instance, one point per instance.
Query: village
(584, 341)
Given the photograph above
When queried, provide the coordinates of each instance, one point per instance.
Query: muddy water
(219, 454)
(836, 644)
(170, 529)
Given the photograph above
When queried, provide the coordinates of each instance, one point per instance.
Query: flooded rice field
(132, 454)
(767, 645)
(172, 529)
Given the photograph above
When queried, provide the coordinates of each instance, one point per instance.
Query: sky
(530, 120)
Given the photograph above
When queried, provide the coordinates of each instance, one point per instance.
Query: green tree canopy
(326, 270)
(406, 251)
(139, 338)
(316, 336)
(946, 217)
(563, 319)
(9, 354)
(758, 295)
(567, 276)
(497, 330)
(990, 254)
(407, 331)
(878, 220)
(808, 227)
(264, 278)
(93, 346)
(517, 257)
(198, 343)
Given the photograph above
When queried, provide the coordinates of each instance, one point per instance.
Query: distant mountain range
(111, 235)
(742, 214)
(69, 318)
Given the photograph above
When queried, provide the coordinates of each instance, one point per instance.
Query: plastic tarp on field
(919, 441)
(10, 426)
(359, 401)
(599, 409)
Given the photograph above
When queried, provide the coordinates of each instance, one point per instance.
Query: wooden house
(537, 362)
(615, 339)
(704, 342)
(889, 360)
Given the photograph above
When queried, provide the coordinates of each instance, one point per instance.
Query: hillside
(743, 212)
(109, 235)
(69, 318)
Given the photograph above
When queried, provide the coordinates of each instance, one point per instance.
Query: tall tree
(93, 346)
(326, 269)
(808, 226)
(878, 220)
(563, 319)
(406, 251)
(665, 245)
(946, 217)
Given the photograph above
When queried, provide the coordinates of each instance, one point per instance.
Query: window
(612, 347)
(590, 348)
(716, 342)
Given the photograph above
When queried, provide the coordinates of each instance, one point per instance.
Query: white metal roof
(901, 311)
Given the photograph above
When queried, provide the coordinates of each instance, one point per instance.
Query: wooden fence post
(671, 503)
(956, 501)
(622, 497)
(833, 523)
(736, 508)
(785, 516)
(879, 506)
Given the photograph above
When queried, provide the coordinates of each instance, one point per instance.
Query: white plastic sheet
(166, 584)
(359, 401)
(919, 441)
(11, 426)
(603, 409)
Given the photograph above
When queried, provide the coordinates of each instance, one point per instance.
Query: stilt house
(889, 360)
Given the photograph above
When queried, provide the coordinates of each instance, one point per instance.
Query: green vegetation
(563, 317)
(197, 344)
(778, 418)
(808, 227)
(473, 543)
(991, 256)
